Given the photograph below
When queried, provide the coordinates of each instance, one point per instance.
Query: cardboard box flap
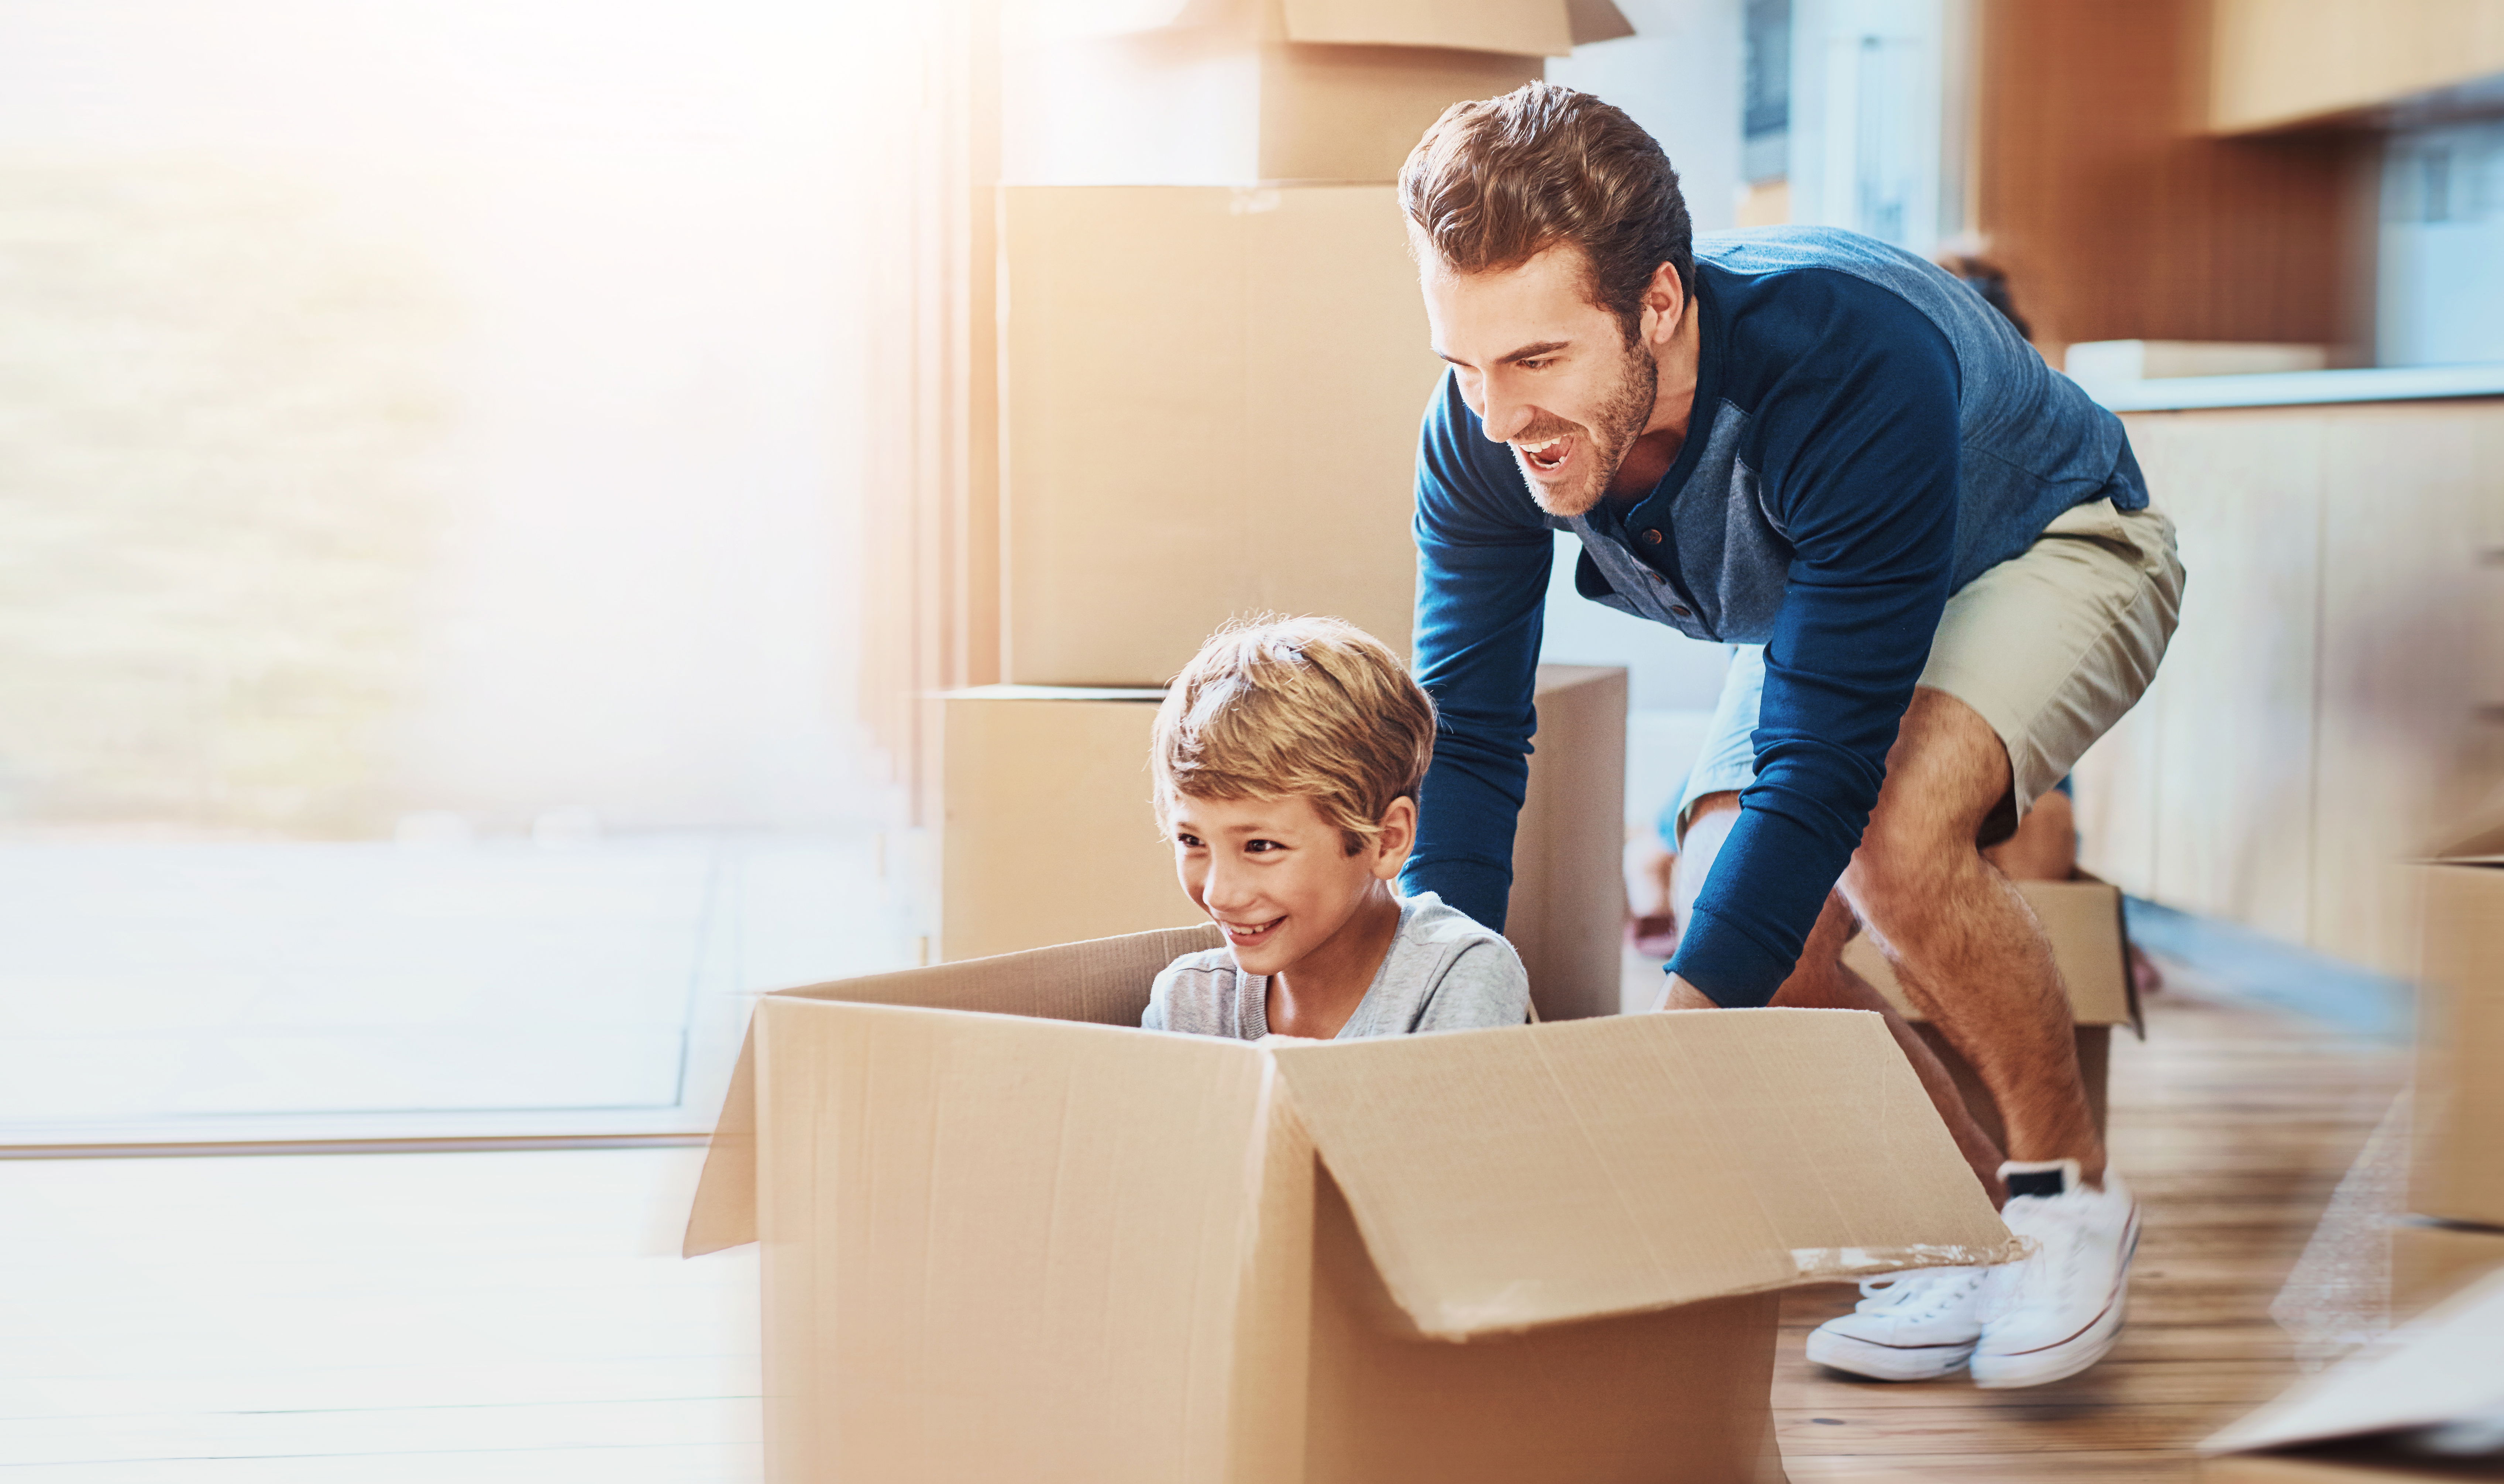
(1593, 21)
(1506, 1179)
(1522, 27)
(2445, 1365)
(1105, 982)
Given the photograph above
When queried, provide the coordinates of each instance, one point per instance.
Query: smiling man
(1937, 564)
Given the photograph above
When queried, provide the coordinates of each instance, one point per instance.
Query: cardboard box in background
(2457, 1163)
(1210, 402)
(2338, 1427)
(2091, 947)
(1228, 91)
(1008, 1245)
(2431, 1262)
(1567, 913)
(1048, 835)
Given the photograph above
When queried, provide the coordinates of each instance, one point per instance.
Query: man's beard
(1611, 435)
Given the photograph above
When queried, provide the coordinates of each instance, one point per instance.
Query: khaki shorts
(2050, 648)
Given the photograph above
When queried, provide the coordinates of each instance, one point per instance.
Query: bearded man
(1937, 564)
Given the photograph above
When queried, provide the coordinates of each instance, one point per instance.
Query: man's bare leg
(1967, 951)
(1821, 982)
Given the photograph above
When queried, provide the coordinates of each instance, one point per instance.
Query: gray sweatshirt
(1444, 972)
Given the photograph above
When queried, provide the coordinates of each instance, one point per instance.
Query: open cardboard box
(2351, 1423)
(2457, 1139)
(1007, 1235)
(1228, 91)
(2090, 945)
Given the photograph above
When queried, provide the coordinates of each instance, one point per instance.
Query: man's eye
(1537, 363)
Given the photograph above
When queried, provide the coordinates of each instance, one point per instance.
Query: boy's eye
(1187, 839)
(1262, 846)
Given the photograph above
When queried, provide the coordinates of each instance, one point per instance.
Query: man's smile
(1546, 456)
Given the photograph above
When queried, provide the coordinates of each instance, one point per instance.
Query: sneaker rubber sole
(1886, 1362)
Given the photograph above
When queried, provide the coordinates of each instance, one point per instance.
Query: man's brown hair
(1497, 182)
(1275, 708)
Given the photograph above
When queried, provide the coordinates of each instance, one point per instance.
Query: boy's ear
(1398, 837)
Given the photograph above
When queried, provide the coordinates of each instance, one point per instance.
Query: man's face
(1545, 369)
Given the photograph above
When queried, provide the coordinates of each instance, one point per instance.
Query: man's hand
(1681, 996)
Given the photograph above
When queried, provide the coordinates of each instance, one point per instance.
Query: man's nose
(1503, 417)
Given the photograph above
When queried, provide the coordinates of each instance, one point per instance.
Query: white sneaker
(2056, 1311)
(1908, 1327)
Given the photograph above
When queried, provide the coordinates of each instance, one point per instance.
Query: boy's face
(1275, 875)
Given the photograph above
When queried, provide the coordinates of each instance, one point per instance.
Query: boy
(1287, 759)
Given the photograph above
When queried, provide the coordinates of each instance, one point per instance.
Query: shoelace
(1919, 1295)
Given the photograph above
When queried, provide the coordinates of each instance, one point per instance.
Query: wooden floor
(494, 1317)
(2233, 1124)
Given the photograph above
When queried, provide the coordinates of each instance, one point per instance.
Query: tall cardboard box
(1210, 400)
(2457, 1156)
(1001, 1242)
(2090, 946)
(1049, 835)
(1223, 92)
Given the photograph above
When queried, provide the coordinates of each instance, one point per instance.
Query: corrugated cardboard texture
(1021, 769)
(2457, 1170)
(1635, 1163)
(1567, 912)
(2430, 1264)
(1211, 404)
(2084, 922)
(1047, 834)
(1001, 1248)
(1612, 1401)
(1105, 982)
(2445, 1365)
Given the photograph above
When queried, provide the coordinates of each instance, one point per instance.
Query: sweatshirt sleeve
(1859, 447)
(1484, 556)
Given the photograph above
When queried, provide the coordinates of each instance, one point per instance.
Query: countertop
(2288, 389)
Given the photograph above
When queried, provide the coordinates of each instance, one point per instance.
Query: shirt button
(1652, 538)
(1681, 610)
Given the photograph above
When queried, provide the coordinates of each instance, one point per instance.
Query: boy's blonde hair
(1281, 706)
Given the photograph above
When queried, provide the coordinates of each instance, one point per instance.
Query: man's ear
(1397, 838)
(1664, 304)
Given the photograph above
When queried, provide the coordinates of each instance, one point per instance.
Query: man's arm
(1861, 465)
(1483, 557)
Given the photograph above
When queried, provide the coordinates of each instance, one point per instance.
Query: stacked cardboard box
(1000, 1242)
(1213, 364)
(1221, 91)
(2091, 947)
(1050, 834)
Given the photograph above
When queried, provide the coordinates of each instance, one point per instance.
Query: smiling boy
(1287, 758)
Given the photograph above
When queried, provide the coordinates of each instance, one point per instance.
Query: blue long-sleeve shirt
(1867, 436)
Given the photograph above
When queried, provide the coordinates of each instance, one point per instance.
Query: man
(1937, 561)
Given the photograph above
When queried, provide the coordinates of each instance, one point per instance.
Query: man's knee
(1945, 773)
